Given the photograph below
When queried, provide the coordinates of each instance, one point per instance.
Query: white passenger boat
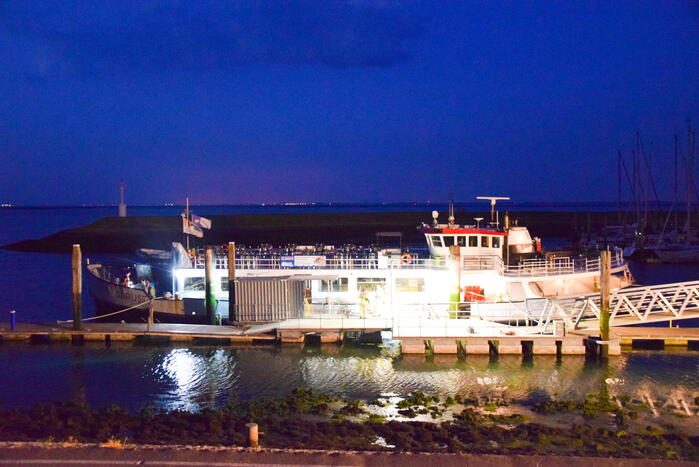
(467, 271)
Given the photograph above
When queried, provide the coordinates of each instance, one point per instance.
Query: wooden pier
(125, 332)
(654, 338)
(574, 343)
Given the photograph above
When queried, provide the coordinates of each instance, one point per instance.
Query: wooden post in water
(77, 288)
(209, 298)
(232, 316)
(253, 435)
(604, 289)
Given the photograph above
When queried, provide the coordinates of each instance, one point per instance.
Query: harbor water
(37, 286)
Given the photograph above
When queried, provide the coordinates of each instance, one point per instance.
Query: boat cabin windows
(370, 284)
(193, 283)
(410, 284)
(465, 241)
(337, 285)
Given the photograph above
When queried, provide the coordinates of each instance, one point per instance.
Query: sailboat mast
(618, 186)
(690, 180)
(186, 216)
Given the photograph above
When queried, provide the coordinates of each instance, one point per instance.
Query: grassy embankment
(309, 420)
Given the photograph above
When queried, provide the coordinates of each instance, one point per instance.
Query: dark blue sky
(363, 100)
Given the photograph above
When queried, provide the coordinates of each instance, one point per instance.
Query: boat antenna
(493, 200)
(451, 209)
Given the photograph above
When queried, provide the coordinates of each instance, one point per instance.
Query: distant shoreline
(125, 235)
(475, 205)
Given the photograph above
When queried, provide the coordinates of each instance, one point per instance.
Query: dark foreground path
(46, 454)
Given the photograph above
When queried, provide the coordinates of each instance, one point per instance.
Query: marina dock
(576, 342)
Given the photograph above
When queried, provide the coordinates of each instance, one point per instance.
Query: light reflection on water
(191, 378)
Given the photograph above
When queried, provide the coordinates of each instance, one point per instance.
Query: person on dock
(127, 280)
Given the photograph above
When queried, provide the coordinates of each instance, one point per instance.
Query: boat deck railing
(552, 266)
(558, 265)
(278, 262)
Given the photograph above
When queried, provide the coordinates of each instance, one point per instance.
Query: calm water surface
(192, 378)
(38, 287)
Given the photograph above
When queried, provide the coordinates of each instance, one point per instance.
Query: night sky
(345, 101)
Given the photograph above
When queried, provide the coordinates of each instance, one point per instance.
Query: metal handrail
(640, 303)
(553, 266)
(255, 262)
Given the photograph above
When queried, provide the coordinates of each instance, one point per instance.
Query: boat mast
(675, 192)
(672, 204)
(186, 216)
(618, 186)
(690, 179)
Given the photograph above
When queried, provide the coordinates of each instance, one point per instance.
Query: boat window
(436, 240)
(337, 285)
(461, 240)
(370, 284)
(472, 240)
(496, 242)
(448, 240)
(193, 283)
(410, 284)
(224, 284)
(484, 241)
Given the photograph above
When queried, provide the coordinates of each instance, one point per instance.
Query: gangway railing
(632, 305)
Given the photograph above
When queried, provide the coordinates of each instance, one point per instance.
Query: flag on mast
(190, 228)
(201, 222)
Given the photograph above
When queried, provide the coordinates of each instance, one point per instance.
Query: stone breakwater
(123, 235)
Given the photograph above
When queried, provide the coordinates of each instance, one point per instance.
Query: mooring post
(253, 435)
(231, 282)
(77, 288)
(210, 298)
(13, 321)
(605, 271)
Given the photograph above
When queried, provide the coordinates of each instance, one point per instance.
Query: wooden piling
(253, 435)
(210, 297)
(605, 273)
(231, 282)
(77, 288)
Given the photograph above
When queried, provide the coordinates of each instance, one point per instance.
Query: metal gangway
(628, 306)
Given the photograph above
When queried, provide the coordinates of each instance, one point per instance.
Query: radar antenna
(493, 200)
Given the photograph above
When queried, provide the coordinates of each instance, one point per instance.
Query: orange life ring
(406, 258)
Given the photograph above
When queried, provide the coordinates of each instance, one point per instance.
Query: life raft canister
(405, 258)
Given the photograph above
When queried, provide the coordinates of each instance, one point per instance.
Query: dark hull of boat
(112, 298)
(141, 316)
